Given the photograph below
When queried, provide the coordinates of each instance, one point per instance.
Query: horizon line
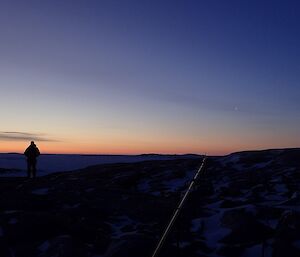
(153, 153)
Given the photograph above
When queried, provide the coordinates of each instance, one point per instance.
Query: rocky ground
(244, 204)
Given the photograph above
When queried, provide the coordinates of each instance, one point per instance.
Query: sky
(159, 76)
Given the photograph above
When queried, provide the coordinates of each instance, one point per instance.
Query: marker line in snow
(177, 210)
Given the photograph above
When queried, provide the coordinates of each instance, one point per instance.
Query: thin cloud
(24, 136)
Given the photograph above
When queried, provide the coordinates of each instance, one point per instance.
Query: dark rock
(123, 209)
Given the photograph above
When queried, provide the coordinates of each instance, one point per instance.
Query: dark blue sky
(161, 76)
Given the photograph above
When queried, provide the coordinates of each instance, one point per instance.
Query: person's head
(32, 143)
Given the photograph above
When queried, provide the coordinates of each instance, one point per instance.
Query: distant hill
(48, 163)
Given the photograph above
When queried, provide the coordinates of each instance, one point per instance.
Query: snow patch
(120, 223)
(262, 165)
(144, 186)
(44, 246)
(182, 244)
(253, 251)
(179, 183)
(10, 211)
(40, 191)
(296, 244)
(68, 206)
(272, 223)
(281, 188)
(213, 230)
(13, 221)
(196, 225)
(232, 158)
(156, 193)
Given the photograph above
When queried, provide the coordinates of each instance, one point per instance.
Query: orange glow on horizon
(124, 148)
(81, 148)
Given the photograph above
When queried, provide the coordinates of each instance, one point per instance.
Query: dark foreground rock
(106, 210)
(245, 204)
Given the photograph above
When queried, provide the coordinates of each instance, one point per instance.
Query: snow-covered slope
(244, 205)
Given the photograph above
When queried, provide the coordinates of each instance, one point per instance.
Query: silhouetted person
(32, 152)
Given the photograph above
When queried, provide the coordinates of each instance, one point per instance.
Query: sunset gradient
(131, 77)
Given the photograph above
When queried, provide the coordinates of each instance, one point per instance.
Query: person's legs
(28, 169)
(34, 169)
